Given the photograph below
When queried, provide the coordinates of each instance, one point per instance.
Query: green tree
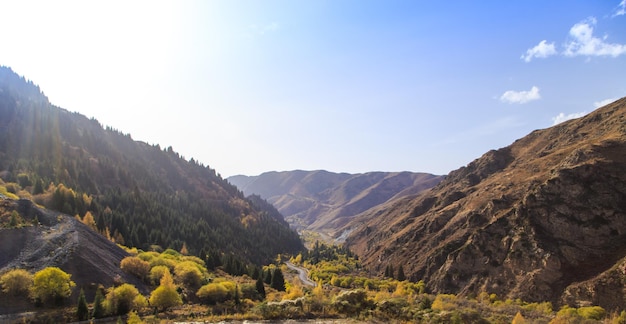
(82, 311)
(278, 280)
(51, 285)
(98, 309)
(260, 287)
(401, 276)
(165, 295)
(16, 282)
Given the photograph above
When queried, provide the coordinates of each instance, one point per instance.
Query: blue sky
(347, 86)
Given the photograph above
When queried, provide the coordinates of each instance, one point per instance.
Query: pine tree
(267, 276)
(98, 310)
(82, 311)
(260, 287)
(400, 276)
(278, 280)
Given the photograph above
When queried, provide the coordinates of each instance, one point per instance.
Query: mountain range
(325, 201)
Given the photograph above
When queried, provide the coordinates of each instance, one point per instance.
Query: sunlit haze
(347, 86)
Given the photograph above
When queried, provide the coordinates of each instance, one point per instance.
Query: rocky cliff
(541, 219)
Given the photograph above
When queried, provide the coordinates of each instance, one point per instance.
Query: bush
(165, 296)
(592, 312)
(157, 273)
(16, 282)
(444, 302)
(188, 274)
(352, 302)
(136, 267)
(122, 299)
(213, 293)
(51, 285)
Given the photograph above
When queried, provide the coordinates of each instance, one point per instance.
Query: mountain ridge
(324, 201)
(72, 164)
(537, 220)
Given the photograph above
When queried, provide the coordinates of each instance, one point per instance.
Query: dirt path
(303, 274)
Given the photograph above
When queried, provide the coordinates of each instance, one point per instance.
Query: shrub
(122, 299)
(352, 302)
(188, 274)
(213, 293)
(136, 267)
(165, 296)
(157, 272)
(444, 302)
(16, 282)
(51, 285)
(592, 312)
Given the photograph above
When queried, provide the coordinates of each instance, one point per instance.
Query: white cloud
(583, 42)
(563, 117)
(621, 9)
(604, 102)
(541, 50)
(521, 97)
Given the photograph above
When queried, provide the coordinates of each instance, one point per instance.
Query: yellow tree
(165, 295)
(16, 282)
(518, 319)
(51, 285)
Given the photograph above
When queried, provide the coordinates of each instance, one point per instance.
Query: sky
(249, 86)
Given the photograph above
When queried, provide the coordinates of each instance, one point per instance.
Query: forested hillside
(138, 194)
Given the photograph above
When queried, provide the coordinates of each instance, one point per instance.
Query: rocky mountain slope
(325, 201)
(58, 240)
(541, 219)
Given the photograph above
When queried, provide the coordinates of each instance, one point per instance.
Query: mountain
(325, 201)
(138, 194)
(542, 219)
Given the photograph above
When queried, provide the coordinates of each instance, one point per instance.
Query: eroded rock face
(542, 219)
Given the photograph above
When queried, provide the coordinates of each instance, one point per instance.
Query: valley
(535, 230)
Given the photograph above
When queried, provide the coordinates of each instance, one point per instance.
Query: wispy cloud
(584, 43)
(563, 117)
(541, 50)
(603, 103)
(521, 97)
(581, 42)
(621, 9)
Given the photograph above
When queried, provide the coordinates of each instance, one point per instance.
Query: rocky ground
(59, 241)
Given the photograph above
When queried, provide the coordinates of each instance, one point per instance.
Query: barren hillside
(541, 219)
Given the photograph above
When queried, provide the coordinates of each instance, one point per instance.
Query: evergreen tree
(260, 287)
(82, 311)
(237, 300)
(98, 310)
(400, 276)
(278, 280)
(267, 276)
